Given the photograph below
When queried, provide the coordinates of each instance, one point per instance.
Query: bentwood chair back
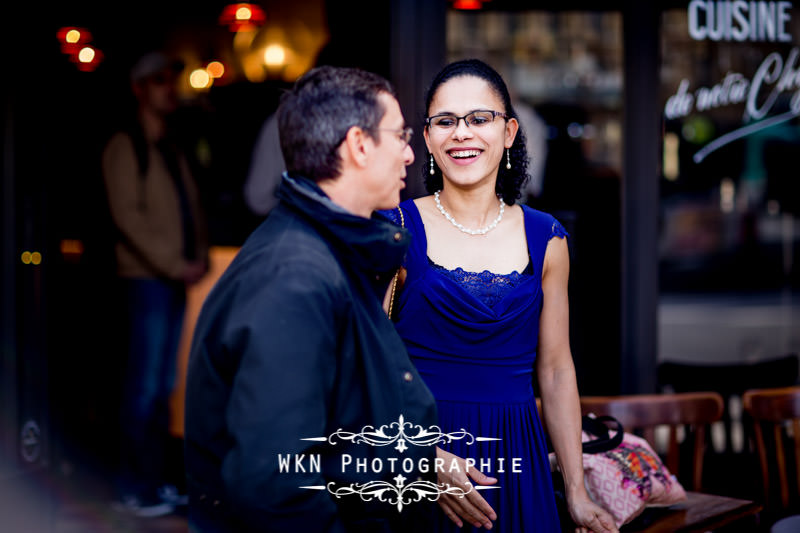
(642, 413)
(730, 380)
(775, 414)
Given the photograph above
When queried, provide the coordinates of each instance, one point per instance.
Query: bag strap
(598, 427)
(396, 274)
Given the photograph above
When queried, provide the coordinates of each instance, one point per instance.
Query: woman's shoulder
(419, 204)
(536, 214)
(544, 222)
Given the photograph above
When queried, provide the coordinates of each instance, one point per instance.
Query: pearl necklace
(480, 231)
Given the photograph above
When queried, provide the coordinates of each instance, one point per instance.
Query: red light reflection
(468, 4)
(242, 16)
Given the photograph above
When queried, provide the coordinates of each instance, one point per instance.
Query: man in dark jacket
(301, 401)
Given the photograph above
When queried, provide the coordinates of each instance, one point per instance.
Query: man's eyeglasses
(476, 119)
(404, 134)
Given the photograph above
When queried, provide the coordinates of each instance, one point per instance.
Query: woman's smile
(464, 156)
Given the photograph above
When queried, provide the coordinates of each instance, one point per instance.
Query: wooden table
(699, 513)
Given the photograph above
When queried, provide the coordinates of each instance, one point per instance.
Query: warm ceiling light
(86, 55)
(87, 58)
(243, 13)
(72, 36)
(274, 55)
(242, 17)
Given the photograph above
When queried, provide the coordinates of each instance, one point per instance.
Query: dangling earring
(508, 159)
(431, 171)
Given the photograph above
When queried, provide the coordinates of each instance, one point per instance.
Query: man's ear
(356, 146)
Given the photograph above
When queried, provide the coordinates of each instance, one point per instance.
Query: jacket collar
(374, 245)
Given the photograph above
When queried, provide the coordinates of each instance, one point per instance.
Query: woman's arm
(559, 389)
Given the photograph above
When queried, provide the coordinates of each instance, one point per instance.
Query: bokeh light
(215, 69)
(242, 17)
(31, 258)
(73, 36)
(86, 55)
(244, 13)
(200, 79)
(274, 55)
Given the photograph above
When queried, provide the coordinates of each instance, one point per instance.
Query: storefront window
(730, 194)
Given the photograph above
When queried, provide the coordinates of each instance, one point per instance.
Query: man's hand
(471, 507)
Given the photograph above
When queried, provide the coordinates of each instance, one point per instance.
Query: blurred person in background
(161, 248)
(265, 170)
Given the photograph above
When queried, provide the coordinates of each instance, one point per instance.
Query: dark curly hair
(509, 181)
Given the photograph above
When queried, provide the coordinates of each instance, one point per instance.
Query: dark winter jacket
(292, 343)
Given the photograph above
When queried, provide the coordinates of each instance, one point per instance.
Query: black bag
(598, 426)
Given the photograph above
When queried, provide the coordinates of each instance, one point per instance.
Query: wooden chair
(642, 413)
(772, 411)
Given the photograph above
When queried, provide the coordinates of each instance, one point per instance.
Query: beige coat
(146, 211)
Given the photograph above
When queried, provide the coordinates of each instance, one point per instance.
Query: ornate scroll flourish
(401, 433)
(398, 494)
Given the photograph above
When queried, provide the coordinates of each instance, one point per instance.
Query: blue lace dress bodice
(486, 286)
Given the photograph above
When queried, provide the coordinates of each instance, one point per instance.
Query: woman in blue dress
(483, 310)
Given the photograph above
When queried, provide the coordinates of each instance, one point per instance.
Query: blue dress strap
(540, 227)
(417, 256)
(393, 215)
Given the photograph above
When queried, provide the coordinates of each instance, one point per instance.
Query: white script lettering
(773, 77)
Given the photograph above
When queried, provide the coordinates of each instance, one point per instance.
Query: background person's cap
(153, 63)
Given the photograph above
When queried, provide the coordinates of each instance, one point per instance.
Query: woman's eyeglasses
(449, 121)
